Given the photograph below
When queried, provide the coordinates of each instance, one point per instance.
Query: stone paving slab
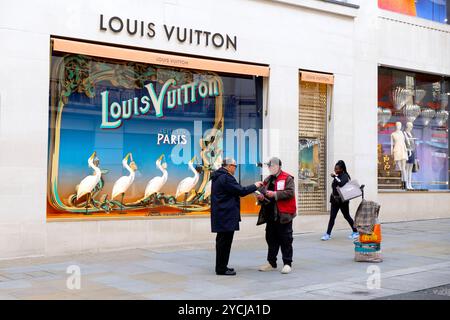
(8, 286)
(416, 257)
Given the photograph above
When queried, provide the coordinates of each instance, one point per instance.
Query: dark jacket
(270, 210)
(343, 179)
(225, 202)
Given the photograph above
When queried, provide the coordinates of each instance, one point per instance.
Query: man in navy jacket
(225, 211)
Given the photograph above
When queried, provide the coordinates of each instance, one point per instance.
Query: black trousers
(344, 207)
(223, 248)
(279, 236)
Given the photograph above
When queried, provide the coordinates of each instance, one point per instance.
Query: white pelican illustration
(88, 184)
(123, 183)
(187, 184)
(156, 183)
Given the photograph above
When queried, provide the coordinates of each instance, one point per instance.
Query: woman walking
(340, 178)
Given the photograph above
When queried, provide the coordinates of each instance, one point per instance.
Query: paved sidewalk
(417, 257)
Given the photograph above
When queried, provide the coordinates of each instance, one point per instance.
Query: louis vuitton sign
(172, 33)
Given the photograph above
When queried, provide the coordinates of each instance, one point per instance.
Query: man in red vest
(278, 208)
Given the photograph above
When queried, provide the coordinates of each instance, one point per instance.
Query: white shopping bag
(350, 190)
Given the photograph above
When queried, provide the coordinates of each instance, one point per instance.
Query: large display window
(135, 139)
(413, 120)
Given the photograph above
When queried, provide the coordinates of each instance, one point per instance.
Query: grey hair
(228, 161)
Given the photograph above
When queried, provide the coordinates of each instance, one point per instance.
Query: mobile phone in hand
(258, 193)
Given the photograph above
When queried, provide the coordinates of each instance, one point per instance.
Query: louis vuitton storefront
(132, 138)
(112, 117)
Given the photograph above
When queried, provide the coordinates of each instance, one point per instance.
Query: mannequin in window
(399, 151)
(411, 148)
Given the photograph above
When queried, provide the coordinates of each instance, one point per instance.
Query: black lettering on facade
(231, 42)
(111, 24)
(169, 34)
(151, 30)
(217, 40)
(141, 28)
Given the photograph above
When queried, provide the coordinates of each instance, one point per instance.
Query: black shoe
(230, 269)
(226, 273)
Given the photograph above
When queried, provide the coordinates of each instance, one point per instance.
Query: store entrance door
(312, 139)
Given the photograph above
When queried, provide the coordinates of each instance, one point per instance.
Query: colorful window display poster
(309, 165)
(129, 138)
(421, 100)
(435, 10)
(401, 6)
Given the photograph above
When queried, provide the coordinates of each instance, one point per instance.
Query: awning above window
(112, 52)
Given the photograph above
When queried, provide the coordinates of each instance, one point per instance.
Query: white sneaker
(286, 269)
(267, 267)
(354, 235)
(325, 237)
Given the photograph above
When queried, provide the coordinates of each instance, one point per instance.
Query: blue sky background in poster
(81, 134)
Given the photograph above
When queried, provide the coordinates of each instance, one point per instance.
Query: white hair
(228, 161)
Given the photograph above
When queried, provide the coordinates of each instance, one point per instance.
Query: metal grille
(313, 125)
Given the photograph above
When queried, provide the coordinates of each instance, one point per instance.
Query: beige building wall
(286, 35)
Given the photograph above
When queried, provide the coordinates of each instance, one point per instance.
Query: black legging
(344, 207)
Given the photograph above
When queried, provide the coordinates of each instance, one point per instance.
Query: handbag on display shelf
(416, 166)
(350, 190)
